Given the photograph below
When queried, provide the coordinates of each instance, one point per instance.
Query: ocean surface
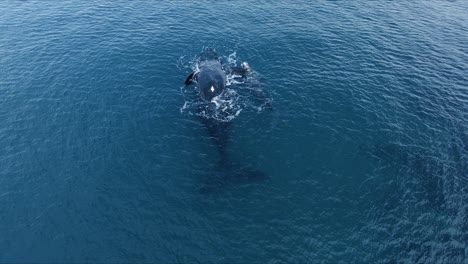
(365, 146)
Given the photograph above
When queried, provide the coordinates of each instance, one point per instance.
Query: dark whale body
(211, 81)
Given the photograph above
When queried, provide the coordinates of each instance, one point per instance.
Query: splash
(227, 106)
(232, 59)
(224, 107)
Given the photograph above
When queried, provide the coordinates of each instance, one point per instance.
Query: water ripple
(366, 149)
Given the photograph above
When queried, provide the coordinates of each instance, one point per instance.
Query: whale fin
(189, 78)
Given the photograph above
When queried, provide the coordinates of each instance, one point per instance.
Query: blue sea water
(365, 148)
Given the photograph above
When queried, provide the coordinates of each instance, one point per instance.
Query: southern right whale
(210, 78)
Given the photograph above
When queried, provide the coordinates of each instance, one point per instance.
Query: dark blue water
(366, 148)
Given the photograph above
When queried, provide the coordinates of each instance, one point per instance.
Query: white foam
(232, 59)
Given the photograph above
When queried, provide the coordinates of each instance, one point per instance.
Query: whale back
(211, 79)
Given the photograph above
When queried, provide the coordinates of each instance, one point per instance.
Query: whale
(210, 78)
(211, 81)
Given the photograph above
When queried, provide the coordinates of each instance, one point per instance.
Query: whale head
(211, 82)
